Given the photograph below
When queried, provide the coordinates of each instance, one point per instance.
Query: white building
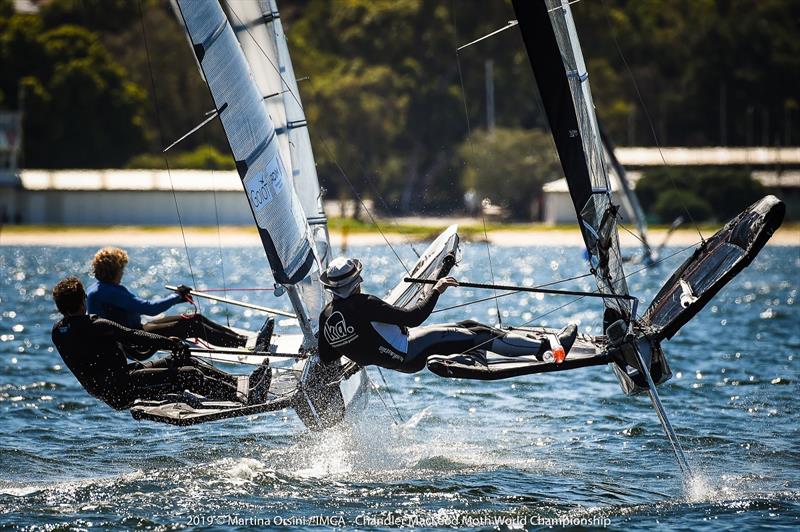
(132, 197)
(558, 208)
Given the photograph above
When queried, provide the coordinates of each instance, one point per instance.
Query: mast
(555, 55)
(252, 137)
(629, 197)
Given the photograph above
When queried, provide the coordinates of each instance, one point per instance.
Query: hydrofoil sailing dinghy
(264, 123)
(631, 344)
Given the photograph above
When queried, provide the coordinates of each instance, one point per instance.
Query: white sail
(258, 28)
(253, 140)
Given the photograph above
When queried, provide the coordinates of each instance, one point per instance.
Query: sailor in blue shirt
(111, 300)
(115, 302)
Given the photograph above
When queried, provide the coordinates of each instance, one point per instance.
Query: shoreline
(31, 236)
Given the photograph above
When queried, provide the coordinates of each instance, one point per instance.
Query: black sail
(554, 53)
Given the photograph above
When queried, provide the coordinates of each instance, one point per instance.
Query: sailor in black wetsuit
(91, 347)
(370, 331)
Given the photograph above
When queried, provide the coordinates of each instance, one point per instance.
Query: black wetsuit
(91, 347)
(346, 329)
(195, 326)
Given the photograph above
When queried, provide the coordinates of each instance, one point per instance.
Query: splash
(697, 488)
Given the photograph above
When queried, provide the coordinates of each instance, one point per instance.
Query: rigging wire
(545, 285)
(383, 401)
(646, 112)
(219, 246)
(232, 289)
(325, 145)
(161, 141)
(491, 273)
(389, 393)
(540, 316)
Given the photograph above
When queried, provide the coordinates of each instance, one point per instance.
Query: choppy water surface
(526, 452)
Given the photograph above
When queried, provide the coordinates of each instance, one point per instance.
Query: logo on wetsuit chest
(337, 331)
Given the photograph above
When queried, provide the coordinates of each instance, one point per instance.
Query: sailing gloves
(184, 291)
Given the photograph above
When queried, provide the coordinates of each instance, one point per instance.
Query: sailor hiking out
(94, 350)
(370, 331)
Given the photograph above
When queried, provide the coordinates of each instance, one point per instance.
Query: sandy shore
(242, 237)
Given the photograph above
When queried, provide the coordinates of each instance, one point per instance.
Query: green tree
(509, 166)
(397, 139)
(95, 15)
(722, 191)
(201, 158)
(80, 111)
(674, 203)
(181, 97)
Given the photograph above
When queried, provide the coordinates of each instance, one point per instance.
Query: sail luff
(554, 52)
(252, 139)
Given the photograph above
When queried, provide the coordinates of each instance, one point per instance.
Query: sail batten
(554, 52)
(260, 33)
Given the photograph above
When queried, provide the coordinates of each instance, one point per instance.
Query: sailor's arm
(135, 336)
(326, 352)
(127, 300)
(384, 312)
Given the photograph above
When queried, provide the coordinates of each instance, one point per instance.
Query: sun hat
(342, 276)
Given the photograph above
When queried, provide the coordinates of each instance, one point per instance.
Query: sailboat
(631, 341)
(244, 60)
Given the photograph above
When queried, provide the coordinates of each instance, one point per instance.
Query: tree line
(109, 83)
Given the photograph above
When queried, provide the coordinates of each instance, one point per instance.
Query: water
(521, 453)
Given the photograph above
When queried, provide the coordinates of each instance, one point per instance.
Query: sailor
(370, 331)
(109, 299)
(91, 347)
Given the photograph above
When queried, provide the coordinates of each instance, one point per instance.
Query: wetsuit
(116, 303)
(369, 331)
(91, 349)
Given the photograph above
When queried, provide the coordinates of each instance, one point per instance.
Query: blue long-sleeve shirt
(116, 303)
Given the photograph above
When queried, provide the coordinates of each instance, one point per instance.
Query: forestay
(554, 52)
(252, 137)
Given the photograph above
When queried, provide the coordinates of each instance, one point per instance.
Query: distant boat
(630, 200)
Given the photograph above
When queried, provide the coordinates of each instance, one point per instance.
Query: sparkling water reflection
(562, 446)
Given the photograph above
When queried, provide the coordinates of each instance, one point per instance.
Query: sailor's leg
(155, 383)
(512, 344)
(442, 340)
(215, 333)
(174, 362)
(195, 325)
